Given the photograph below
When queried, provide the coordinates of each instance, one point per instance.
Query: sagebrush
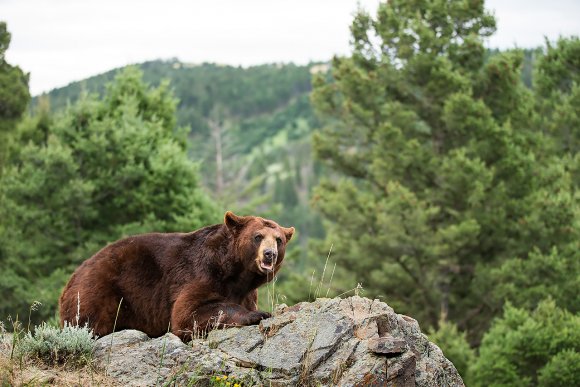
(71, 345)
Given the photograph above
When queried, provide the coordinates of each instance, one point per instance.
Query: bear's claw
(255, 317)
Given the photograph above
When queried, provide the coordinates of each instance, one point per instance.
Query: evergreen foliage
(14, 95)
(109, 168)
(455, 348)
(523, 348)
(557, 83)
(562, 370)
(526, 282)
(443, 171)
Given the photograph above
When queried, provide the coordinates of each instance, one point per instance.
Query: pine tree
(557, 86)
(440, 172)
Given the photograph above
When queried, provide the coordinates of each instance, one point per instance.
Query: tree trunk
(216, 133)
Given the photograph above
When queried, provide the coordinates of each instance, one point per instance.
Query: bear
(186, 283)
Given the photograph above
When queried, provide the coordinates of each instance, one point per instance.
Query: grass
(225, 381)
(322, 288)
(357, 291)
(162, 356)
(114, 327)
(273, 296)
(306, 370)
(318, 290)
(199, 377)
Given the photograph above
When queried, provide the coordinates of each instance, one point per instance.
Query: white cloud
(525, 23)
(59, 41)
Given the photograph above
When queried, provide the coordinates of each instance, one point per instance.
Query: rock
(387, 345)
(346, 342)
(122, 338)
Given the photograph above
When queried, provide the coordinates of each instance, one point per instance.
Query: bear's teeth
(266, 266)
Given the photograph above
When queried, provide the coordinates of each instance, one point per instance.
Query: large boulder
(345, 342)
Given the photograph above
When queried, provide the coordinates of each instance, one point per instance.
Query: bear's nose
(269, 255)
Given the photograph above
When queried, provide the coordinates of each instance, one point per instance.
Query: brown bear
(185, 282)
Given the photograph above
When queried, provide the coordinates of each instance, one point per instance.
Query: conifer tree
(14, 95)
(530, 348)
(557, 86)
(441, 173)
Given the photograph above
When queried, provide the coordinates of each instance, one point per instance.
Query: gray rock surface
(329, 342)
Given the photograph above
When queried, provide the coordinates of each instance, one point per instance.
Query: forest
(422, 169)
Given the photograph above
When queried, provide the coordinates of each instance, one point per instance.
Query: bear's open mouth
(266, 266)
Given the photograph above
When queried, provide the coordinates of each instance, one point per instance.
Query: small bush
(562, 370)
(71, 345)
(530, 348)
(455, 347)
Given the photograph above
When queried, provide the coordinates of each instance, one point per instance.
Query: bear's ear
(288, 232)
(233, 221)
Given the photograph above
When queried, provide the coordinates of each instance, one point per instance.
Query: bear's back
(138, 253)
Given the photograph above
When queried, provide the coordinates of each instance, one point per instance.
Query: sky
(61, 41)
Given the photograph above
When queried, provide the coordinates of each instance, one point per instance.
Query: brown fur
(185, 282)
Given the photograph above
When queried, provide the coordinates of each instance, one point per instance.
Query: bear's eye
(258, 238)
(279, 240)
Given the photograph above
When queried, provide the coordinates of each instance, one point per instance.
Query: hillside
(250, 128)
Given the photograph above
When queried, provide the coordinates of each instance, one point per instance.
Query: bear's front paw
(255, 317)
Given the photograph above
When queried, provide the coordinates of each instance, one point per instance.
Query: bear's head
(261, 243)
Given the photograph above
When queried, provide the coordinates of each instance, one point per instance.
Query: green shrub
(71, 345)
(455, 347)
(562, 370)
(525, 348)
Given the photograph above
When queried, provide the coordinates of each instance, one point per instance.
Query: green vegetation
(446, 175)
(530, 348)
(225, 381)
(70, 345)
(422, 168)
(98, 171)
(456, 347)
(46, 354)
(14, 94)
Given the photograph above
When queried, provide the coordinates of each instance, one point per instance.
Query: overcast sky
(61, 41)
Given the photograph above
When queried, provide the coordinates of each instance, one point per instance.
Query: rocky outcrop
(345, 342)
